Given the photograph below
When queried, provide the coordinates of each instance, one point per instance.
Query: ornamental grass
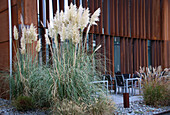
(68, 79)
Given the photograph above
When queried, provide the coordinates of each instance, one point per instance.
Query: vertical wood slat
(102, 40)
(112, 54)
(128, 18)
(108, 63)
(139, 52)
(122, 54)
(96, 6)
(100, 24)
(116, 18)
(77, 3)
(105, 10)
(158, 21)
(137, 18)
(136, 58)
(112, 17)
(131, 55)
(61, 4)
(133, 21)
(90, 43)
(54, 6)
(91, 8)
(127, 55)
(121, 28)
(144, 19)
(125, 18)
(47, 11)
(98, 52)
(84, 2)
(148, 19)
(141, 19)
(153, 19)
(146, 48)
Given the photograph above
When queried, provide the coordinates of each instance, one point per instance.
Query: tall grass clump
(68, 79)
(156, 88)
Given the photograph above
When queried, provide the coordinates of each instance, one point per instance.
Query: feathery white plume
(15, 33)
(38, 47)
(95, 17)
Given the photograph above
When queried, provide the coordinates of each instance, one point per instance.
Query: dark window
(117, 54)
(149, 53)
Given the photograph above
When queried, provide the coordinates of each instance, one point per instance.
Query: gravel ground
(136, 108)
(139, 108)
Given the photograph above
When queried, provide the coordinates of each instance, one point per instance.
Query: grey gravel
(139, 108)
(7, 109)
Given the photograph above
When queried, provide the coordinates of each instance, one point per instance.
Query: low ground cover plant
(156, 88)
(67, 81)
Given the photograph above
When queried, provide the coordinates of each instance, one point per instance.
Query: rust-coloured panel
(61, 4)
(30, 12)
(105, 15)
(128, 18)
(148, 22)
(112, 54)
(90, 43)
(125, 18)
(4, 4)
(127, 52)
(137, 18)
(4, 57)
(108, 60)
(91, 8)
(121, 28)
(102, 39)
(133, 21)
(131, 55)
(96, 6)
(112, 17)
(116, 18)
(100, 23)
(141, 19)
(84, 2)
(4, 27)
(122, 54)
(136, 55)
(77, 3)
(144, 19)
(47, 11)
(54, 6)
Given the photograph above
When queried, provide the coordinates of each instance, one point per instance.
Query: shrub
(24, 103)
(155, 87)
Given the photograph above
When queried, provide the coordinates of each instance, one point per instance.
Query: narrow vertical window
(149, 53)
(117, 54)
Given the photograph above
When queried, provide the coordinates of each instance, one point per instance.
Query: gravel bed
(7, 109)
(136, 108)
(139, 108)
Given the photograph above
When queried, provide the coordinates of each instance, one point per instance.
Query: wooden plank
(116, 18)
(61, 4)
(148, 19)
(136, 55)
(141, 19)
(108, 63)
(54, 6)
(128, 18)
(112, 54)
(100, 24)
(146, 48)
(96, 6)
(121, 28)
(91, 7)
(105, 10)
(102, 40)
(127, 55)
(137, 18)
(4, 57)
(84, 2)
(131, 56)
(144, 19)
(122, 54)
(77, 3)
(30, 12)
(139, 52)
(133, 21)
(125, 18)
(90, 43)
(4, 28)
(4, 5)
(112, 17)
(47, 11)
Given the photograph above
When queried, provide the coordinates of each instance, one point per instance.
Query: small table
(132, 79)
(104, 81)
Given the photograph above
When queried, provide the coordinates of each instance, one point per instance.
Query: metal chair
(110, 80)
(135, 83)
(119, 82)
